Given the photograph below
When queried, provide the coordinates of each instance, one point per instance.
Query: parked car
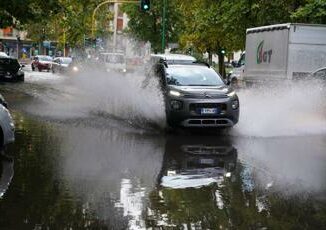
(7, 127)
(10, 69)
(3, 54)
(65, 65)
(42, 62)
(195, 95)
(319, 74)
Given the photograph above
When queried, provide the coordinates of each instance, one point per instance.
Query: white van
(114, 62)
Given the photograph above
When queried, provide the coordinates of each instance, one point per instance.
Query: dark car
(65, 65)
(195, 95)
(42, 62)
(10, 69)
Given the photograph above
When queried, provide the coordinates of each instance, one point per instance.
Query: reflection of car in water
(114, 61)
(191, 162)
(6, 173)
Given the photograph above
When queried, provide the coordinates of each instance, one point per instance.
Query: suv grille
(205, 96)
(196, 107)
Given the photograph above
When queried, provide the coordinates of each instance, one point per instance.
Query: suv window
(192, 75)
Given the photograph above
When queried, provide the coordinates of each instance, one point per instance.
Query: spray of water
(284, 109)
(109, 94)
(95, 91)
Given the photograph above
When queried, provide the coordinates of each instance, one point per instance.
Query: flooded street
(100, 159)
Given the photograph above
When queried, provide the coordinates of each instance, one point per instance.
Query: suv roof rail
(202, 62)
(167, 62)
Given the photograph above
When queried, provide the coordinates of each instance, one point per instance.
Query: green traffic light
(145, 5)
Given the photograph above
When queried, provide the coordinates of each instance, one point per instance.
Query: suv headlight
(175, 93)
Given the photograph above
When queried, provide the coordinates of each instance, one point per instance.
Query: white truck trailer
(284, 51)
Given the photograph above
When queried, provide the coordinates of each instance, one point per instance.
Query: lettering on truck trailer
(263, 56)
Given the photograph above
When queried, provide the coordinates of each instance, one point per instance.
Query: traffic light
(145, 5)
(223, 51)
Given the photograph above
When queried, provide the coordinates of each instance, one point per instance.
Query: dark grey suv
(195, 95)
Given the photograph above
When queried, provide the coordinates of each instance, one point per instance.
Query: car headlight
(176, 105)
(75, 68)
(175, 93)
(235, 104)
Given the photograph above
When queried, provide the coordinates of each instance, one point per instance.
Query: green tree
(312, 12)
(19, 12)
(147, 26)
(71, 23)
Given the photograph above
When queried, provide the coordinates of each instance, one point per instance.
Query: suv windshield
(192, 75)
(66, 60)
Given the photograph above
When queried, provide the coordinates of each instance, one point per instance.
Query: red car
(42, 62)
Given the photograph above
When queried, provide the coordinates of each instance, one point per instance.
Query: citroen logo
(207, 95)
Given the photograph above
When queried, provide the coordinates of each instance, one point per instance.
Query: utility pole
(163, 25)
(64, 42)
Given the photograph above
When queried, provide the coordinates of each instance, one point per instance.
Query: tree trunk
(221, 67)
(210, 58)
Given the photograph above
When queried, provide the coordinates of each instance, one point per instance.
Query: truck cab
(236, 75)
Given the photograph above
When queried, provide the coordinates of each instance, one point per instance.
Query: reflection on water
(190, 163)
(203, 185)
(93, 176)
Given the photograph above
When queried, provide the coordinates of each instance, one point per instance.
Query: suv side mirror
(227, 80)
(234, 64)
(22, 65)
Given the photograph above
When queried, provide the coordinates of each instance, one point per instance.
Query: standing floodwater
(76, 165)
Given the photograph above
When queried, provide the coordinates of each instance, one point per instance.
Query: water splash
(285, 109)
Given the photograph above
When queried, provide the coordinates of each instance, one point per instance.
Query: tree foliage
(19, 12)
(197, 25)
(147, 26)
(312, 12)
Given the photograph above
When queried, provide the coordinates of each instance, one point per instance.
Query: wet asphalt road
(77, 163)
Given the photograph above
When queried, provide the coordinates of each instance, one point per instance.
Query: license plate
(209, 111)
(206, 161)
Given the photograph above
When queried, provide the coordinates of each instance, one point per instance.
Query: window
(192, 75)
